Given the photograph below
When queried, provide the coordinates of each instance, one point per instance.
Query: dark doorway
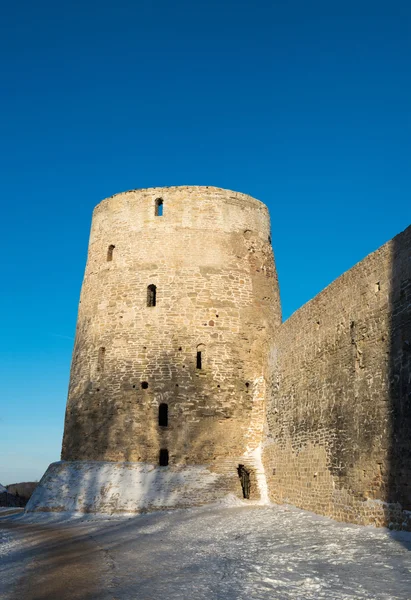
(163, 415)
(163, 460)
(244, 476)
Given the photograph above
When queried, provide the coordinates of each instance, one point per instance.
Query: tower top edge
(204, 189)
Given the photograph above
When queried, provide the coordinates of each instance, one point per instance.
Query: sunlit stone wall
(208, 253)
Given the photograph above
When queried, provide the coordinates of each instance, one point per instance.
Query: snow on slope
(108, 487)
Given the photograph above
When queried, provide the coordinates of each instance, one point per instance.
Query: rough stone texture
(211, 261)
(317, 410)
(339, 419)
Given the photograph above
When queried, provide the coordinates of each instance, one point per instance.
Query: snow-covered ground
(110, 487)
(222, 552)
(7, 543)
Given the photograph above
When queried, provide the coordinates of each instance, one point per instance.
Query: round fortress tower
(178, 310)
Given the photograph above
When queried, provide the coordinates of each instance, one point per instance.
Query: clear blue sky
(302, 104)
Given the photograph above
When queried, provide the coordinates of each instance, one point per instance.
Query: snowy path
(213, 553)
(49, 563)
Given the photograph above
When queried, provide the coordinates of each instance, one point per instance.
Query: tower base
(125, 487)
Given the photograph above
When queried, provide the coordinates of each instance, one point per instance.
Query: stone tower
(177, 315)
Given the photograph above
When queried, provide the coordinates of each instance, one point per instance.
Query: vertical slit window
(100, 360)
(163, 458)
(110, 251)
(163, 415)
(151, 295)
(199, 360)
(159, 207)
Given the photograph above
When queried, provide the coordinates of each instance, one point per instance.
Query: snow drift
(108, 487)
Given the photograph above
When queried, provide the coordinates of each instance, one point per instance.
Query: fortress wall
(211, 261)
(339, 418)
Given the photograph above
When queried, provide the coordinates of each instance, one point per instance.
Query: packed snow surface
(228, 552)
(109, 487)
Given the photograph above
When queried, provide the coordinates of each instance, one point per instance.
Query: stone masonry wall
(339, 418)
(210, 257)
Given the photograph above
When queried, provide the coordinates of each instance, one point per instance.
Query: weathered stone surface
(327, 394)
(209, 256)
(339, 418)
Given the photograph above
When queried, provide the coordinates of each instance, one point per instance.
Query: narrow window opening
(377, 286)
(100, 360)
(110, 251)
(244, 476)
(163, 459)
(159, 207)
(163, 415)
(151, 295)
(199, 360)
